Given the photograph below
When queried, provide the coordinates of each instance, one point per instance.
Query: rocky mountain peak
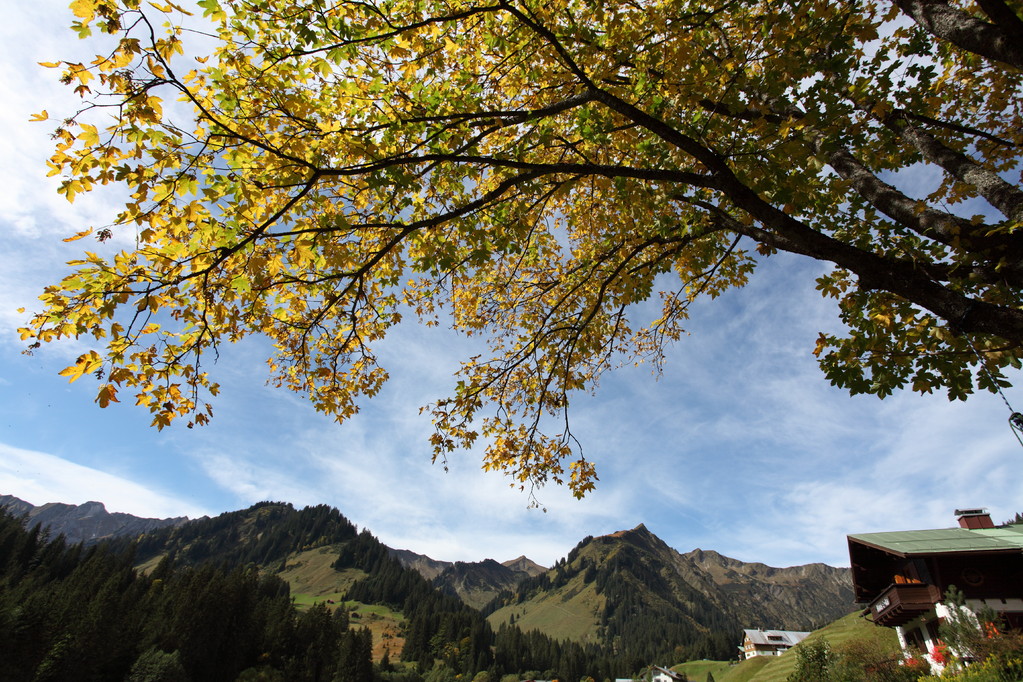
(88, 522)
(524, 564)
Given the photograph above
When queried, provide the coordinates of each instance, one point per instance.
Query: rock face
(475, 583)
(88, 523)
(793, 598)
(422, 564)
(524, 565)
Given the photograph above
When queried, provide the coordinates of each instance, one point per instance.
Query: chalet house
(902, 576)
(769, 642)
(664, 675)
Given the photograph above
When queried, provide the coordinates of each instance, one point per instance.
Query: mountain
(524, 565)
(88, 523)
(627, 597)
(74, 613)
(630, 591)
(476, 583)
(794, 598)
(324, 559)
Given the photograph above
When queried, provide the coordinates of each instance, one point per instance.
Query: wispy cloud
(741, 446)
(38, 477)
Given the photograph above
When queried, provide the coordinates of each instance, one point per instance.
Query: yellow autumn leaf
(89, 134)
(75, 237)
(86, 363)
(84, 9)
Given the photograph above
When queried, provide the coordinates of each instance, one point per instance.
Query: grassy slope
(573, 614)
(385, 626)
(313, 580)
(778, 669)
(697, 670)
(747, 670)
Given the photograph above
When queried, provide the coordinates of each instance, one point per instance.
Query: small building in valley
(902, 577)
(660, 674)
(769, 642)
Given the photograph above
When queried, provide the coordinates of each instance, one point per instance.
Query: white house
(769, 642)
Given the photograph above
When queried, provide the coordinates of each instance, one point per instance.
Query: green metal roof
(906, 542)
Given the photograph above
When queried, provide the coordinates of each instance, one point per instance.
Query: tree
(355, 659)
(971, 637)
(154, 665)
(815, 661)
(530, 172)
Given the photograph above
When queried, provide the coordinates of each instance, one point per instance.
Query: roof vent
(974, 518)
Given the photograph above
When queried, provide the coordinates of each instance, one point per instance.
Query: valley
(612, 606)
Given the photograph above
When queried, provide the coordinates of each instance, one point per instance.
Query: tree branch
(966, 31)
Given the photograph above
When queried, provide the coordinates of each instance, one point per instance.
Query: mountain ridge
(89, 522)
(628, 590)
(54, 515)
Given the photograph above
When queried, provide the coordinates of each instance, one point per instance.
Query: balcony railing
(899, 604)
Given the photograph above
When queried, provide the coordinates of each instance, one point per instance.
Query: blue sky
(740, 447)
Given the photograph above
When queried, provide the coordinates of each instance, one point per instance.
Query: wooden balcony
(899, 604)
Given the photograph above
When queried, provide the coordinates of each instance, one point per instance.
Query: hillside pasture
(846, 631)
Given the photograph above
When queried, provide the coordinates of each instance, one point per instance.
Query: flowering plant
(939, 653)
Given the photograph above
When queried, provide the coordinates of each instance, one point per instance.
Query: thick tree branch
(1003, 15)
(875, 271)
(966, 31)
(603, 170)
(931, 223)
(1005, 197)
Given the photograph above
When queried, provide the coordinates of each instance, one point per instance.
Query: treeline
(69, 613)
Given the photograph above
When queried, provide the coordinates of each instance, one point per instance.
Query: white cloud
(39, 478)
(741, 447)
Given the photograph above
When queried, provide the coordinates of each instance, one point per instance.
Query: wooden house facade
(902, 577)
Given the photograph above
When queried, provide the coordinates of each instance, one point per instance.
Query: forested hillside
(305, 594)
(265, 534)
(630, 592)
(178, 598)
(68, 614)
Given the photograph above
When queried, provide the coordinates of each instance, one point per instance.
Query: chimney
(974, 518)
